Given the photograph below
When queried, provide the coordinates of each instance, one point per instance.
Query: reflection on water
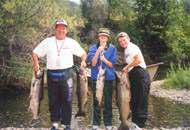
(163, 113)
(168, 114)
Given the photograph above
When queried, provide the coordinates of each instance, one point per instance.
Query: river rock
(182, 96)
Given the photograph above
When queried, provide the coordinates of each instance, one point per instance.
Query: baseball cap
(61, 22)
(122, 34)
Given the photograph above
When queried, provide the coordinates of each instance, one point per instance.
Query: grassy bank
(178, 77)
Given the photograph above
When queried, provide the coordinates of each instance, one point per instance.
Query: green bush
(18, 72)
(178, 77)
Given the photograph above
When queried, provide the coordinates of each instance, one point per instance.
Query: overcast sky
(76, 1)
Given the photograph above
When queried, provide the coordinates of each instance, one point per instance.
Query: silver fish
(82, 91)
(123, 99)
(36, 94)
(100, 85)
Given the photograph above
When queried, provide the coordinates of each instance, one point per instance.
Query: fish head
(118, 74)
(122, 77)
(38, 79)
(40, 74)
(101, 71)
(36, 82)
(81, 71)
(83, 74)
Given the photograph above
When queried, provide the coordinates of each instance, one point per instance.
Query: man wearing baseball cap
(59, 51)
(102, 55)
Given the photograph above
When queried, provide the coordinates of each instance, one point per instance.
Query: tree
(23, 24)
(177, 33)
(152, 20)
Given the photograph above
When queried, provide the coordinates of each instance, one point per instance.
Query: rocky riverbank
(182, 96)
(12, 128)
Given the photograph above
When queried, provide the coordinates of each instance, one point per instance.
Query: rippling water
(162, 113)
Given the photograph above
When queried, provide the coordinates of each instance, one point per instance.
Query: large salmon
(123, 99)
(100, 85)
(36, 94)
(82, 91)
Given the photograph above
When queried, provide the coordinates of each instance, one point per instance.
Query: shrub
(178, 77)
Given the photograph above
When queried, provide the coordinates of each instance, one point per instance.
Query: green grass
(178, 77)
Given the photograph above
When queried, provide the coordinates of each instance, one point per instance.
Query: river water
(162, 113)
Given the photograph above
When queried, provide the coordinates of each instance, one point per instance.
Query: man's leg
(108, 90)
(142, 113)
(66, 99)
(139, 97)
(54, 104)
(96, 107)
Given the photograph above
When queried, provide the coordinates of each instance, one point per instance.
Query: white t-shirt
(131, 51)
(59, 53)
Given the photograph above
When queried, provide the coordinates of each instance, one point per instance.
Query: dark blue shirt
(109, 54)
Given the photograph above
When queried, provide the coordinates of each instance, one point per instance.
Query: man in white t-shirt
(59, 51)
(139, 79)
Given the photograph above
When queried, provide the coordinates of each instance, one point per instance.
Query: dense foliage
(160, 27)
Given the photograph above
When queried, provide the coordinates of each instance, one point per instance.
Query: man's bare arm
(35, 61)
(135, 62)
(83, 58)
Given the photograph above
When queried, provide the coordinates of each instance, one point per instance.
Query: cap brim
(61, 24)
(104, 34)
(122, 34)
